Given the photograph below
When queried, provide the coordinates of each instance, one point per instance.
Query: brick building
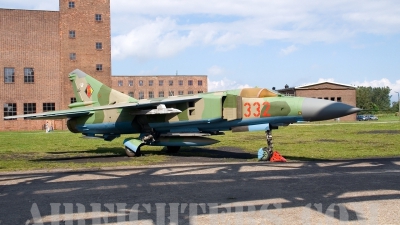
(159, 86)
(328, 91)
(38, 49)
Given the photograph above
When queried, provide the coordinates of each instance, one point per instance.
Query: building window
(160, 82)
(332, 98)
(140, 83)
(120, 83)
(190, 82)
(49, 107)
(71, 5)
(171, 93)
(171, 83)
(97, 17)
(71, 34)
(29, 75)
(150, 83)
(141, 95)
(72, 56)
(29, 108)
(10, 109)
(73, 100)
(99, 67)
(200, 92)
(161, 94)
(9, 75)
(190, 92)
(99, 46)
(130, 94)
(151, 94)
(200, 82)
(180, 82)
(180, 92)
(130, 83)
(339, 99)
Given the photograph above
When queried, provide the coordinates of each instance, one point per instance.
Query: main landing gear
(266, 153)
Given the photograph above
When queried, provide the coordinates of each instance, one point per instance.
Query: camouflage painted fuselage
(205, 113)
(182, 120)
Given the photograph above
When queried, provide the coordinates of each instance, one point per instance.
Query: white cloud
(226, 24)
(288, 50)
(147, 29)
(224, 84)
(325, 80)
(215, 70)
(384, 82)
(159, 38)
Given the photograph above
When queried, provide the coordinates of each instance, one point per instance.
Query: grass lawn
(308, 141)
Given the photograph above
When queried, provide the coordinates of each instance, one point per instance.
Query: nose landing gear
(267, 153)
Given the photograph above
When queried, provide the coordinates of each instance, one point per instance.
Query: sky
(248, 43)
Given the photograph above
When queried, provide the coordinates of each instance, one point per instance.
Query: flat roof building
(325, 90)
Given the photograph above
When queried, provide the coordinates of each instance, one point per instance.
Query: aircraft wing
(62, 114)
(84, 111)
(170, 100)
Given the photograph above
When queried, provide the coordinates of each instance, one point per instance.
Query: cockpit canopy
(253, 93)
(257, 93)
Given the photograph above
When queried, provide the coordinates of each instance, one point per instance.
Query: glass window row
(338, 99)
(161, 83)
(9, 75)
(10, 109)
(161, 94)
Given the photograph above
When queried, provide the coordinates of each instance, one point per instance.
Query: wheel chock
(276, 157)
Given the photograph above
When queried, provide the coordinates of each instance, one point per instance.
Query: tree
(373, 99)
(395, 106)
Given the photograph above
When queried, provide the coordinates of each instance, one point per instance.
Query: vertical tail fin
(91, 92)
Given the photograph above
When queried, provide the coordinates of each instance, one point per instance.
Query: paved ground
(350, 191)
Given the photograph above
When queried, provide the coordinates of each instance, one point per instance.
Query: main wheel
(131, 153)
(173, 149)
(264, 154)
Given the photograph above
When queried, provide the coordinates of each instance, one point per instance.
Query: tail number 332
(256, 109)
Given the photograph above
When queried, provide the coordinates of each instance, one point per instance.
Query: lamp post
(398, 102)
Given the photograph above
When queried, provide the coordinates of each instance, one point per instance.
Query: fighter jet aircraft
(102, 112)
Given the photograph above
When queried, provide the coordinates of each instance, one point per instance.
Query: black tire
(173, 149)
(131, 153)
(267, 154)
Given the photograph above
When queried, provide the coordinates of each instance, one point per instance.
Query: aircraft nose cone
(318, 109)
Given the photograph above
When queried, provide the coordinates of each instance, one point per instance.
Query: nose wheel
(265, 154)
